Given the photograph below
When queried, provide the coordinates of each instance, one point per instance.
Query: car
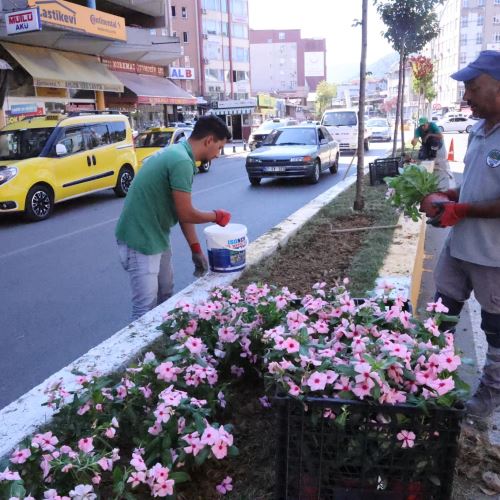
(310, 122)
(259, 135)
(152, 140)
(48, 159)
(379, 129)
(343, 124)
(456, 124)
(296, 151)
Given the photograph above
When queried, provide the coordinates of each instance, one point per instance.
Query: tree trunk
(359, 202)
(398, 101)
(402, 106)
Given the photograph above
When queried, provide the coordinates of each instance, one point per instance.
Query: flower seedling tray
(333, 449)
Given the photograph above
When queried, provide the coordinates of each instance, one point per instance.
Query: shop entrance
(234, 124)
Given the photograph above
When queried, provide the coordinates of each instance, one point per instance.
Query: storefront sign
(133, 67)
(266, 101)
(51, 92)
(232, 103)
(18, 112)
(74, 17)
(181, 73)
(163, 100)
(23, 21)
(72, 106)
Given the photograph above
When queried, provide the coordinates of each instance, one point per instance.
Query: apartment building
(74, 57)
(466, 28)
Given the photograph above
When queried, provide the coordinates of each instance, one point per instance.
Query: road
(63, 290)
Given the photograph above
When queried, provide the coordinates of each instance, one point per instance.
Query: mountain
(347, 72)
(381, 67)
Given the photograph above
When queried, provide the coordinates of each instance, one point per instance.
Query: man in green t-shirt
(159, 197)
(433, 148)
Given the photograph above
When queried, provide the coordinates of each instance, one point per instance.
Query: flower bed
(148, 431)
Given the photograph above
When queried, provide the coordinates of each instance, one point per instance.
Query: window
(464, 22)
(239, 8)
(239, 30)
(281, 35)
(463, 38)
(240, 54)
(480, 3)
(117, 131)
(184, 13)
(73, 140)
(174, 33)
(185, 37)
(496, 37)
(97, 135)
(496, 19)
(497, 2)
(172, 10)
(479, 38)
(465, 3)
(23, 144)
(480, 20)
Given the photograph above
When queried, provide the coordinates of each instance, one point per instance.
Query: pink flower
(20, 456)
(237, 370)
(137, 478)
(164, 488)
(45, 441)
(291, 345)
(225, 486)
(364, 388)
(86, 444)
(437, 306)
(448, 361)
(155, 429)
(137, 462)
(96, 479)
(219, 450)
(343, 384)
(294, 389)
(442, 386)
(110, 432)
(264, 401)
(83, 492)
(8, 475)
(167, 371)
(407, 437)
(227, 334)
(210, 436)
(317, 381)
(105, 463)
(53, 495)
(194, 345)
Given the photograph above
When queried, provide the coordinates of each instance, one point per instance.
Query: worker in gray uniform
(470, 260)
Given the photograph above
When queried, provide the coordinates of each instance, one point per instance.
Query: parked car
(379, 129)
(456, 124)
(297, 151)
(259, 135)
(48, 159)
(152, 140)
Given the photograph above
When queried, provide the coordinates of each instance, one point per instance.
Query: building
(286, 65)
(466, 28)
(73, 57)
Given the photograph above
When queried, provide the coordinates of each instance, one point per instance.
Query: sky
(329, 19)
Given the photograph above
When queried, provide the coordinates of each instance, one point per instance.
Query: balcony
(154, 8)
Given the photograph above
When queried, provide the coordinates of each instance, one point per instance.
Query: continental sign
(74, 17)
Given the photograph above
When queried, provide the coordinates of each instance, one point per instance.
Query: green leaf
(233, 451)
(179, 477)
(202, 456)
(17, 489)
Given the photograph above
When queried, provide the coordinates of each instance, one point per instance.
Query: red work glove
(452, 194)
(428, 203)
(199, 260)
(450, 213)
(222, 217)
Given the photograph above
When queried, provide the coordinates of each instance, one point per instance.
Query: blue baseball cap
(488, 62)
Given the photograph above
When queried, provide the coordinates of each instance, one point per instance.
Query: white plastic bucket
(226, 247)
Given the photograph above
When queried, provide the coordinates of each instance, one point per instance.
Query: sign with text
(133, 67)
(23, 21)
(70, 16)
(181, 73)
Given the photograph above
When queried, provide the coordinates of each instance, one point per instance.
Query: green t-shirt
(149, 210)
(433, 129)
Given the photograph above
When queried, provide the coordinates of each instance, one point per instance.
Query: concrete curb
(23, 416)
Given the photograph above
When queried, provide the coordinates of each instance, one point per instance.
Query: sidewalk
(470, 338)
(235, 147)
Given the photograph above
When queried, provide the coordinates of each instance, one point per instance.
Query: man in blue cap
(470, 260)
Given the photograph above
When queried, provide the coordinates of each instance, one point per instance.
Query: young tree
(410, 24)
(359, 202)
(423, 74)
(325, 92)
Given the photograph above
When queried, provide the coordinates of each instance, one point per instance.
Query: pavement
(235, 147)
(470, 339)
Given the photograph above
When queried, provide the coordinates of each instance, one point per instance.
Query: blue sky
(330, 19)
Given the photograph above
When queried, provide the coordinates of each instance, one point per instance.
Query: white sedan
(456, 124)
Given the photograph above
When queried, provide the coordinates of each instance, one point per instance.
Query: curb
(23, 416)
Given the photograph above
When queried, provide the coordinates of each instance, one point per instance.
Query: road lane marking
(220, 185)
(57, 238)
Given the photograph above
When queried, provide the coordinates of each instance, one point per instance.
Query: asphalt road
(62, 289)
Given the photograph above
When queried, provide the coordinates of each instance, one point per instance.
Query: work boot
(487, 397)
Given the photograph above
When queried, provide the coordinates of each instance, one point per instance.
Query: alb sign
(23, 21)
(181, 73)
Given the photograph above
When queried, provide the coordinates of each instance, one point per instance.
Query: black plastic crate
(383, 167)
(359, 457)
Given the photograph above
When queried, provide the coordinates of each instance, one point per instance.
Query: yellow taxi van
(153, 139)
(52, 158)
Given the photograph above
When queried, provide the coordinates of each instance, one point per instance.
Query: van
(48, 159)
(343, 126)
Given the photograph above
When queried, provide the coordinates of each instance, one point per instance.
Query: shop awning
(155, 89)
(232, 111)
(59, 69)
